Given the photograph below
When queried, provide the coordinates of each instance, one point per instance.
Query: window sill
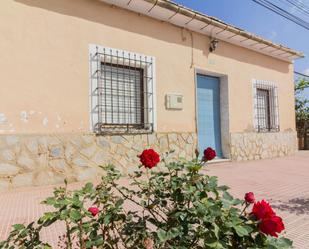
(123, 129)
(267, 132)
(123, 133)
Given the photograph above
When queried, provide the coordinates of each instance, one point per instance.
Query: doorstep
(219, 160)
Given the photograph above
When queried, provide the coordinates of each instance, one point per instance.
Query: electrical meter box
(174, 101)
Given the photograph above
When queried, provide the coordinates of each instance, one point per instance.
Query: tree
(301, 104)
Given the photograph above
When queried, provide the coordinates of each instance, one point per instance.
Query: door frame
(224, 108)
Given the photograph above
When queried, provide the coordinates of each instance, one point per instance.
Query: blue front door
(208, 106)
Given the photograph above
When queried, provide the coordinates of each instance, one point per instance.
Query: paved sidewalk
(282, 181)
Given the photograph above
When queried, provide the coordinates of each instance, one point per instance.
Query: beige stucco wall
(45, 73)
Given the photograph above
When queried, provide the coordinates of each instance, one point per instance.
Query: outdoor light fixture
(213, 45)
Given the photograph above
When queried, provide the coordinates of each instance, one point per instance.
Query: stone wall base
(254, 146)
(35, 160)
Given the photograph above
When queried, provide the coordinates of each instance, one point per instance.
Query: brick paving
(284, 182)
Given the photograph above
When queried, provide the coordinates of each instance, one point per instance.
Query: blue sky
(256, 19)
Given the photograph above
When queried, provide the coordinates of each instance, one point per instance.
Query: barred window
(121, 95)
(266, 110)
(122, 91)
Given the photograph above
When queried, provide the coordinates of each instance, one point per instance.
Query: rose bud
(93, 210)
(249, 197)
(197, 153)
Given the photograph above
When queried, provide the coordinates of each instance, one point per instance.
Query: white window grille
(266, 108)
(122, 91)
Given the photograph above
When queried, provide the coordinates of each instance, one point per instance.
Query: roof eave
(202, 23)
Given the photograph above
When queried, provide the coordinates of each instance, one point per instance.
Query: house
(88, 82)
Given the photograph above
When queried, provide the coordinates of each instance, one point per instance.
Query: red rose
(209, 154)
(272, 225)
(93, 210)
(249, 197)
(149, 158)
(262, 210)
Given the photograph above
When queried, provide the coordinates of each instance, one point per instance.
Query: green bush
(175, 207)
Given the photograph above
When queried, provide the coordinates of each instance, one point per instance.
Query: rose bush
(174, 207)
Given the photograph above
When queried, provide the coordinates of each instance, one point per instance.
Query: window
(266, 111)
(263, 109)
(121, 95)
(121, 92)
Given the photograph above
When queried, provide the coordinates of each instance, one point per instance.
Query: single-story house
(89, 82)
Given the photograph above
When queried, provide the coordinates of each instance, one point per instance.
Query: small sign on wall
(174, 101)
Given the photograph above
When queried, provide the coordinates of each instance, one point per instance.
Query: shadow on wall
(255, 58)
(96, 11)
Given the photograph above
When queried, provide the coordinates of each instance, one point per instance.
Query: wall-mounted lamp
(213, 45)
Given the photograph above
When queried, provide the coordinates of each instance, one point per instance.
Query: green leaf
(75, 215)
(227, 196)
(278, 243)
(286, 242)
(118, 203)
(236, 202)
(162, 235)
(199, 185)
(215, 244)
(216, 230)
(213, 182)
(194, 168)
(50, 201)
(241, 231)
(223, 188)
(99, 241)
(48, 218)
(19, 226)
(88, 187)
(173, 233)
(107, 219)
(215, 210)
